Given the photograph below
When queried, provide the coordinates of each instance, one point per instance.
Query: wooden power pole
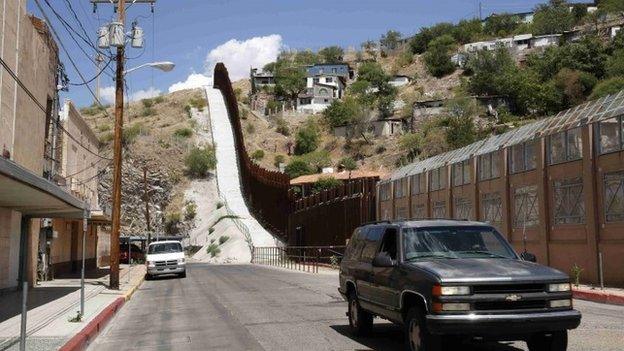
(147, 215)
(119, 106)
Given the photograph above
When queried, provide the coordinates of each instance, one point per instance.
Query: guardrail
(302, 258)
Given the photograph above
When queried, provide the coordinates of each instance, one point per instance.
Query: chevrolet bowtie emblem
(513, 298)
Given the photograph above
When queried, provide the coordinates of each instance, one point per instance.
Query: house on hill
(261, 78)
(324, 84)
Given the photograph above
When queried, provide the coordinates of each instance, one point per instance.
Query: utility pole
(119, 106)
(147, 215)
(99, 59)
(480, 11)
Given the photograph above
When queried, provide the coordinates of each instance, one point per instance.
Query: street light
(164, 66)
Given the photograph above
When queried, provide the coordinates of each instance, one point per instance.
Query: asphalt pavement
(249, 307)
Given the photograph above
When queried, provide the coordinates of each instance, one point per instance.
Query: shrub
(438, 56)
(172, 220)
(187, 109)
(198, 102)
(282, 127)
(159, 99)
(615, 64)
(190, 211)
(411, 144)
(341, 112)
(325, 183)
(576, 271)
(607, 87)
(104, 127)
(147, 103)
(130, 134)
(250, 128)
(213, 250)
(307, 139)
(348, 163)
(94, 109)
(183, 132)
(279, 159)
(107, 138)
(200, 160)
(257, 155)
(405, 59)
(223, 239)
(317, 160)
(148, 111)
(298, 167)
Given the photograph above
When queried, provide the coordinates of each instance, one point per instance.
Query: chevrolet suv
(447, 281)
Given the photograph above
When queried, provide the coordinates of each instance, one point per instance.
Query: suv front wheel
(557, 341)
(417, 338)
(360, 321)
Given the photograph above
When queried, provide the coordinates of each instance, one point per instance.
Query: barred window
(565, 146)
(400, 188)
(439, 209)
(611, 135)
(569, 201)
(614, 196)
(491, 208)
(461, 173)
(437, 179)
(526, 212)
(385, 191)
(523, 157)
(418, 211)
(489, 166)
(417, 184)
(463, 208)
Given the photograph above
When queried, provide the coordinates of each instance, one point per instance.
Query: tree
(552, 18)
(297, 167)
(618, 41)
(420, 42)
(341, 112)
(438, 56)
(460, 126)
(200, 160)
(307, 139)
(369, 47)
(373, 87)
(257, 155)
(501, 24)
(411, 144)
(574, 85)
(332, 54)
(615, 64)
(325, 183)
(290, 82)
(467, 31)
(318, 160)
(608, 87)
(306, 57)
(278, 160)
(390, 40)
(611, 5)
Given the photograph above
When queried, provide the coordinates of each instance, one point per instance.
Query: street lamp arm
(164, 66)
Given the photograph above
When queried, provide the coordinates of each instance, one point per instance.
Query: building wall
(9, 247)
(66, 246)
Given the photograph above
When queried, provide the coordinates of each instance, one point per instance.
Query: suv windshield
(454, 242)
(165, 248)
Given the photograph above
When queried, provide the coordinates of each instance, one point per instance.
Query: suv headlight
(151, 264)
(180, 260)
(450, 290)
(560, 287)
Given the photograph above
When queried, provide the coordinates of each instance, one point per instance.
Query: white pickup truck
(165, 257)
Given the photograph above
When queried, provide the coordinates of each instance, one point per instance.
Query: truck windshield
(164, 248)
(454, 242)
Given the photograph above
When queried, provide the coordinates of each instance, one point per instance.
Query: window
(418, 211)
(523, 157)
(565, 146)
(323, 91)
(373, 236)
(489, 166)
(614, 197)
(389, 243)
(461, 173)
(463, 208)
(439, 209)
(316, 80)
(384, 191)
(611, 135)
(334, 70)
(400, 188)
(569, 202)
(491, 208)
(417, 184)
(355, 244)
(526, 212)
(329, 80)
(437, 179)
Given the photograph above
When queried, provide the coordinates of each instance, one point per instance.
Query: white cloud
(145, 94)
(107, 95)
(238, 55)
(195, 80)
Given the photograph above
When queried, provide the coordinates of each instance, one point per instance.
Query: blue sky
(187, 31)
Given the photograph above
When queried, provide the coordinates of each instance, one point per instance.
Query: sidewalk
(613, 296)
(52, 304)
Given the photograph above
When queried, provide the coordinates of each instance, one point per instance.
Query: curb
(598, 296)
(84, 337)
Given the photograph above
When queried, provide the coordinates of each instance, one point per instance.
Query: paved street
(261, 308)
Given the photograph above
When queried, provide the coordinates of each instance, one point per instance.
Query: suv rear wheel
(360, 321)
(556, 341)
(417, 338)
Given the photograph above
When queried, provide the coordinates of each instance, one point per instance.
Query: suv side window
(355, 244)
(373, 237)
(389, 243)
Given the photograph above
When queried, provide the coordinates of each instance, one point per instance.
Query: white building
(321, 91)
(543, 41)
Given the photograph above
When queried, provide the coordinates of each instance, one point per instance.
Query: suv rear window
(165, 248)
(373, 237)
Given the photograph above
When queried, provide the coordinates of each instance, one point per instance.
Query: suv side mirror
(382, 260)
(527, 256)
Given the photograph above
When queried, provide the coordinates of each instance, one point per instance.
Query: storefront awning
(34, 196)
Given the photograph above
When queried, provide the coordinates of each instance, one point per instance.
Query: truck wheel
(557, 341)
(360, 321)
(417, 338)
(148, 277)
(183, 274)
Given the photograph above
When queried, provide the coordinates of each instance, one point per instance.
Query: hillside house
(430, 108)
(324, 84)
(543, 41)
(520, 17)
(330, 69)
(260, 78)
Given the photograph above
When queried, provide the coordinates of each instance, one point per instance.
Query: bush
(348, 164)
(213, 250)
(147, 103)
(200, 160)
(615, 64)
(282, 127)
(190, 211)
(411, 144)
(148, 111)
(279, 159)
(183, 132)
(341, 112)
(172, 221)
(297, 167)
(438, 56)
(104, 127)
(325, 183)
(257, 155)
(552, 18)
(159, 99)
(94, 109)
(198, 102)
(317, 160)
(607, 87)
(307, 139)
(406, 58)
(107, 138)
(250, 128)
(223, 239)
(187, 109)
(130, 134)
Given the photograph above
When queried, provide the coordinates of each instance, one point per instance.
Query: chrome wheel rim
(353, 314)
(414, 335)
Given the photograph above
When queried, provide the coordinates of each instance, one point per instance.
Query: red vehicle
(136, 254)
